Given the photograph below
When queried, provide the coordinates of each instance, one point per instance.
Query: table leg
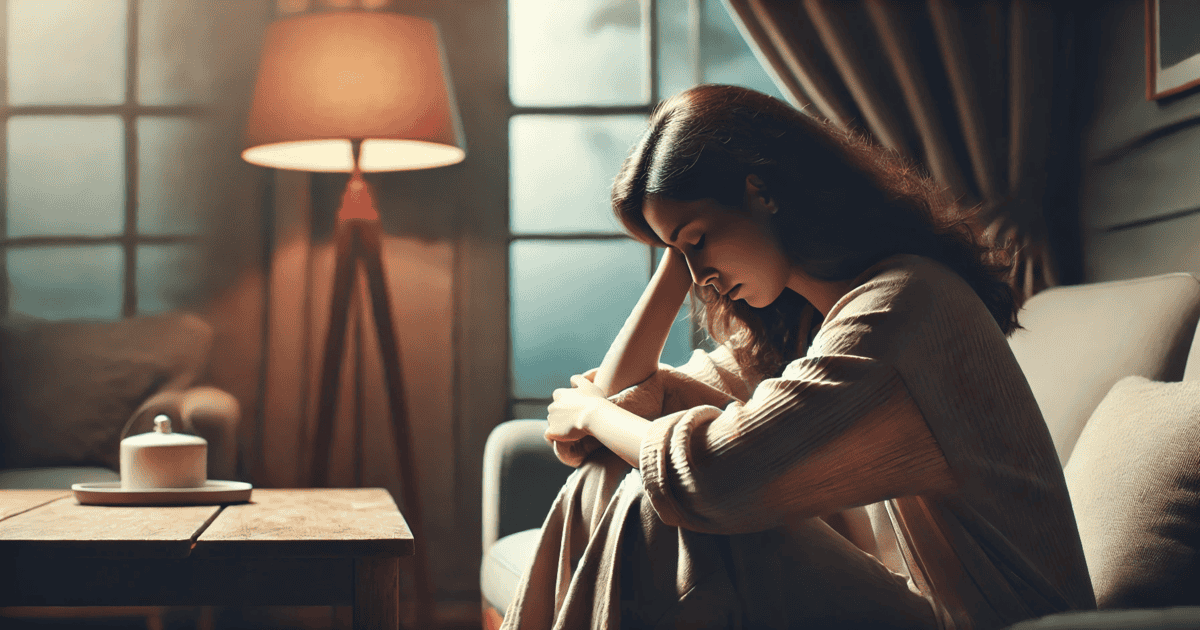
(376, 593)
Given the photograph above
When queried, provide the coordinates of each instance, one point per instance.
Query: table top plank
(13, 502)
(309, 523)
(65, 526)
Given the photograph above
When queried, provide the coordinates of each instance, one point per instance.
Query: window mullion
(129, 118)
(580, 110)
(695, 47)
(4, 158)
(650, 19)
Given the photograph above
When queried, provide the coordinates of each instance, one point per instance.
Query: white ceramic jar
(162, 459)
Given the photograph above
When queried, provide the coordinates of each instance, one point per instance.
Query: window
(104, 117)
(583, 79)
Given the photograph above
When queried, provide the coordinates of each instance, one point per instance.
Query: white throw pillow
(1134, 480)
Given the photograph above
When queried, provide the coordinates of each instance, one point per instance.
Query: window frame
(650, 42)
(129, 112)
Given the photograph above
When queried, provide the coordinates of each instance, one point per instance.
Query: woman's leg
(804, 576)
(605, 560)
(578, 512)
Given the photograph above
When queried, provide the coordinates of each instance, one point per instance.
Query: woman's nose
(700, 275)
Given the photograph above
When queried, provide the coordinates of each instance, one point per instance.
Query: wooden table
(306, 547)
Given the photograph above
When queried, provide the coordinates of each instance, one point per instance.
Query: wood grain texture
(377, 594)
(13, 502)
(64, 527)
(310, 523)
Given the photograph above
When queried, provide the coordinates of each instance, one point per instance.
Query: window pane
(66, 282)
(568, 301)
(167, 277)
(577, 52)
(66, 52)
(174, 188)
(677, 68)
(562, 168)
(726, 57)
(65, 175)
(175, 50)
(678, 349)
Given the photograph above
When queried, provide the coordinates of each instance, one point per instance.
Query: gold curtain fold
(964, 89)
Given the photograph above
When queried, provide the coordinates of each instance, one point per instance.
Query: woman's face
(733, 249)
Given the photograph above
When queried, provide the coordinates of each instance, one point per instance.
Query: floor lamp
(358, 91)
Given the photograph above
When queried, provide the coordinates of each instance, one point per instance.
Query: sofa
(70, 390)
(1115, 368)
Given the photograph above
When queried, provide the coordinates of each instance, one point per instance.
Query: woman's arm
(832, 432)
(633, 355)
(631, 359)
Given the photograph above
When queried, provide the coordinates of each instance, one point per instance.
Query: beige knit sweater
(908, 411)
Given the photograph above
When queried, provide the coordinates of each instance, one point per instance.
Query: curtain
(978, 93)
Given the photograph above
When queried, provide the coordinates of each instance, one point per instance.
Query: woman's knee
(591, 487)
(603, 468)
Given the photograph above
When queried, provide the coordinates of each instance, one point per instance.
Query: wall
(445, 263)
(1140, 189)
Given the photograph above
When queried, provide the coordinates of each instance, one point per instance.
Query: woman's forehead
(664, 215)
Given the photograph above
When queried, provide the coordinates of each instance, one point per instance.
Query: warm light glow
(327, 78)
(331, 156)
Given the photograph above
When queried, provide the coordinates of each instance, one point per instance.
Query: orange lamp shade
(327, 78)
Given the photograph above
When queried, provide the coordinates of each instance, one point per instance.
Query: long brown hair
(844, 203)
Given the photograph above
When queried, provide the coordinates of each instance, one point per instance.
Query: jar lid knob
(162, 423)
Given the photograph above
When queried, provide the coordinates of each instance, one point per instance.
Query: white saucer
(211, 493)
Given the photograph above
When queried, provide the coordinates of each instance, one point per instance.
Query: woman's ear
(758, 199)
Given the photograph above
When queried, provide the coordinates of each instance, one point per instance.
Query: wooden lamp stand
(358, 240)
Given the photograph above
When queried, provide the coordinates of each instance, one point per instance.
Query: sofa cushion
(67, 388)
(1191, 370)
(1135, 485)
(1177, 618)
(59, 478)
(1080, 340)
(503, 564)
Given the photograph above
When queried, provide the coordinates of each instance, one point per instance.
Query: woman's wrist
(587, 421)
(621, 431)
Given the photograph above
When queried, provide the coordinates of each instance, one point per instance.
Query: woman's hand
(568, 416)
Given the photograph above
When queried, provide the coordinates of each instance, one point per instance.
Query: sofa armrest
(208, 412)
(521, 478)
(1133, 619)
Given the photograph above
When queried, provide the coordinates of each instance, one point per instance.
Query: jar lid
(162, 435)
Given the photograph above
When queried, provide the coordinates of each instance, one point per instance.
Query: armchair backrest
(1079, 340)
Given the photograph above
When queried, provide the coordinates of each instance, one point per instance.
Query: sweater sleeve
(706, 379)
(832, 432)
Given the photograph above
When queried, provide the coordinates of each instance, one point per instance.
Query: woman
(861, 450)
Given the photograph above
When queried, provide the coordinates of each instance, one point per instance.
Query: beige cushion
(67, 388)
(1135, 485)
(1191, 371)
(61, 478)
(1080, 340)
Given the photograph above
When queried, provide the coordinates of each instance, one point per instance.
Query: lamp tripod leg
(347, 254)
(372, 257)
